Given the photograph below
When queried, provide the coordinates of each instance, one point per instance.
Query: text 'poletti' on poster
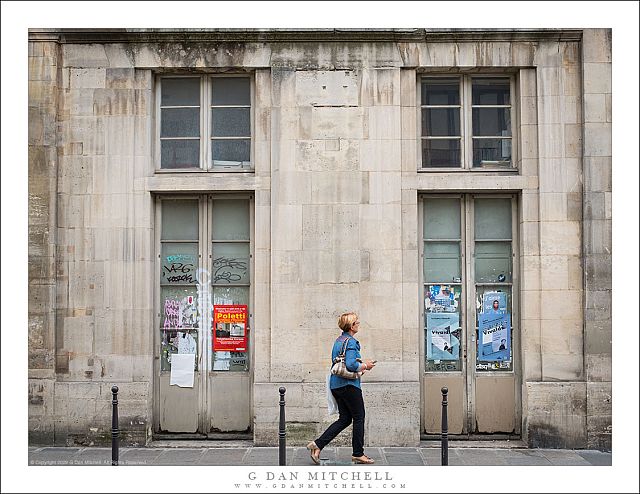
(230, 328)
(494, 336)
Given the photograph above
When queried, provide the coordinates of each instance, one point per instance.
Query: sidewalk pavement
(243, 453)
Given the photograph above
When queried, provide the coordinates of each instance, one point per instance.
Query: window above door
(466, 122)
(204, 123)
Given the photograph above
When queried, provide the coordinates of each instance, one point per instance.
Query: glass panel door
(469, 247)
(442, 274)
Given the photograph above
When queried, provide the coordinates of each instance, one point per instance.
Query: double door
(469, 314)
(203, 323)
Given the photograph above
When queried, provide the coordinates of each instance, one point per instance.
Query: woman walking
(347, 392)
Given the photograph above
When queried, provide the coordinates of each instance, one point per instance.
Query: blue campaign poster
(494, 336)
(494, 302)
(442, 344)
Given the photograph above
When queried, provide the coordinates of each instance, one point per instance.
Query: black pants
(351, 407)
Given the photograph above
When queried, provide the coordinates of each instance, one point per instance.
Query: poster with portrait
(442, 298)
(230, 328)
(443, 336)
(494, 336)
(493, 302)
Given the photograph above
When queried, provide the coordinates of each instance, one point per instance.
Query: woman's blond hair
(346, 320)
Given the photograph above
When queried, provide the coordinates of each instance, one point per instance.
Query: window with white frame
(466, 122)
(205, 122)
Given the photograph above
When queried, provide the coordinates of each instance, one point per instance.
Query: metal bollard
(115, 432)
(282, 433)
(444, 447)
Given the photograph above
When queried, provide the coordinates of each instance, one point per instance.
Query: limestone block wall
(101, 298)
(42, 172)
(336, 187)
(552, 291)
(597, 251)
(336, 244)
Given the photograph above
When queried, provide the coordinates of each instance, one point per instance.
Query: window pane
(439, 91)
(492, 152)
(440, 121)
(231, 91)
(180, 122)
(179, 220)
(183, 153)
(442, 218)
(230, 219)
(230, 263)
(493, 262)
(491, 122)
(492, 91)
(179, 263)
(231, 152)
(440, 153)
(492, 218)
(231, 122)
(179, 318)
(442, 262)
(180, 92)
(230, 295)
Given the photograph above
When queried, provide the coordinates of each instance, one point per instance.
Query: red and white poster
(230, 328)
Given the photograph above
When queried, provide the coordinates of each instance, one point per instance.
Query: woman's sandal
(363, 460)
(314, 451)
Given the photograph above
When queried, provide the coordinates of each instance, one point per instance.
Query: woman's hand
(370, 364)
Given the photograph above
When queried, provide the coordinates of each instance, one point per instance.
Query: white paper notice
(182, 369)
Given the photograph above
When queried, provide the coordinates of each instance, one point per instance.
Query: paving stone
(480, 457)
(179, 457)
(139, 456)
(262, 456)
(564, 457)
(53, 456)
(528, 460)
(403, 459)
(598, 458)
(222, 456)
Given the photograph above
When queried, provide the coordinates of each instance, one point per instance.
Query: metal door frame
(468, 310)
(205, 339)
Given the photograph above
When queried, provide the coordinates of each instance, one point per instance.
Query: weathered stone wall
(596, 72)
(552, 296)
(42, 171)
(336, 227)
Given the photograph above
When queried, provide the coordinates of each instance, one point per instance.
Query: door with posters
(469, 314)
(203, 345)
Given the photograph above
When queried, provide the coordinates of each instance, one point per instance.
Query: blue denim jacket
(351, 354)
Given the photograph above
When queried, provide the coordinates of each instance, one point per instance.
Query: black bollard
(115, 432)
(282, 433)
(444, 447)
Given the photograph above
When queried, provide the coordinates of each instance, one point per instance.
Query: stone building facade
(377, 171)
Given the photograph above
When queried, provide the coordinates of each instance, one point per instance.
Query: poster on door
(494, 336)
(230, 328)
(494, 302)
(441, 298)
(443, 336)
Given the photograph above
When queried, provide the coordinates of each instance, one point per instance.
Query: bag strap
(344, 346)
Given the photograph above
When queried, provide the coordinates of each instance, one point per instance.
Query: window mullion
(468, 143)
(204, 122)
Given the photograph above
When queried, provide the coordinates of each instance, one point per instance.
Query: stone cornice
(300, 35)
